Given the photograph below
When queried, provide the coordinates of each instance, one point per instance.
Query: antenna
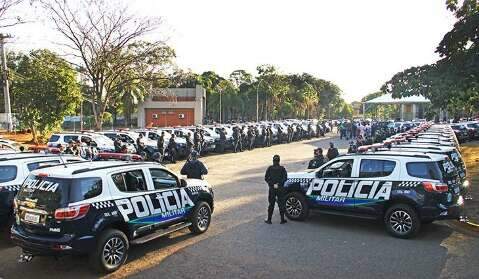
(61, 159)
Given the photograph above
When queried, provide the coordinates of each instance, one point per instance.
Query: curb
(465, 227)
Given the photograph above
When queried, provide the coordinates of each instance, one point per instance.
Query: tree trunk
(34, 134)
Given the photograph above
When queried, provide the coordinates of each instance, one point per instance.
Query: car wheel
(401, 221)
(111, 251)
(296, 207)
(201, 218)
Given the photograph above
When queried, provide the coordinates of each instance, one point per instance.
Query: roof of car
(77, 169)
(27, 155)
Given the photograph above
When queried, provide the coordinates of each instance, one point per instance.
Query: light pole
(220, 104)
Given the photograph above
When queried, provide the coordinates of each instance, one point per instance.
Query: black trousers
(276, 196)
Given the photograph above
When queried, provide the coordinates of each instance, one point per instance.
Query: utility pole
(6, 92)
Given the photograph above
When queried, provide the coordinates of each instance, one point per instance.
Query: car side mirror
(183, 183)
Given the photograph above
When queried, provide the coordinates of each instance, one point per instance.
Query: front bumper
(65, 244)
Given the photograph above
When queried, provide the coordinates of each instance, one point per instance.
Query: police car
(102, 208)
(14, 168)
(403, 189)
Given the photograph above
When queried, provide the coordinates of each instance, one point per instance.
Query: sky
(358, 45)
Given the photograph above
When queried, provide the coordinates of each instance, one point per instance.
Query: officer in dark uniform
(236, 139)
(222, 143)
(318, 159)
(332, 152)
(194, 168)
(197, 140)
(172, 149)
(276, 176)
(117, 144)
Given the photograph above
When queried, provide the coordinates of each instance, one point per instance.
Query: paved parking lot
(240, 245)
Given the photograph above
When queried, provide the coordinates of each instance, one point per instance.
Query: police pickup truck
(403, 189)
(102, 208)
(14, 168)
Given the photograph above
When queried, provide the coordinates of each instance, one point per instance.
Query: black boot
(270, 215)
(283, 221)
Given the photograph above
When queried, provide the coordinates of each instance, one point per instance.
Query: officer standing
(332, 152)
(222, 140)
(172, 149)
(276, 176)
(197, 140)
(117, 144)
(189, 145)
(160, 144)
(318, 159)
(194, 168)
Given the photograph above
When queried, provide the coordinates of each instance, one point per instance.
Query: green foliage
(44, 91)
(452, 82)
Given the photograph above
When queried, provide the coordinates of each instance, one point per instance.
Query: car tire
(200, 218)
(296, 207)
(111, 251)
(402, 221)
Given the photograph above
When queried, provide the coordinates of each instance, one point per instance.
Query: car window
(153, 136)
(36, 165)
(163, 179)
(69, 138)
(428, 170)
(8, 173)
(85, 188)
(376, 168)
(342, 168)
(54, 138)
(130, 181)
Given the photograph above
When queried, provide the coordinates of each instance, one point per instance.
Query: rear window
(36, 165)
(8, 173)
(376, 168)
(54, 138)
(427, 170)
(51, 193)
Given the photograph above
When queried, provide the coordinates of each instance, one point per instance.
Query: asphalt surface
(240, 245)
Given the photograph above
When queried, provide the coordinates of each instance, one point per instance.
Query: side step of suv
(160, 233)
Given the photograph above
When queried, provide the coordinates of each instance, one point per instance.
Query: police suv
(14, 168)
(102, 208)
(401, 188)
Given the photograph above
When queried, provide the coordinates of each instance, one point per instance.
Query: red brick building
(173, 107)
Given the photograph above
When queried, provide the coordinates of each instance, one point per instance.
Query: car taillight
(73, 212)
(435, 187)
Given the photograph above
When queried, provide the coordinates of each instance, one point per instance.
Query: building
(172, 107)
(410, 108)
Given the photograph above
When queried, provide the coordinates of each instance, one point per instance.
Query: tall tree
(107, 40)
(6, 20)
(44, 91)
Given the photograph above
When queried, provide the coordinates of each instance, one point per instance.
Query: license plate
(32, 218)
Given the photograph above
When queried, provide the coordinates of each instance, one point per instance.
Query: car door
(332, 185)
(172, 202)
(375, 182)
(130, 193)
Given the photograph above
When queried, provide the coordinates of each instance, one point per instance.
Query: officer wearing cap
(194, 168)
(276, 176)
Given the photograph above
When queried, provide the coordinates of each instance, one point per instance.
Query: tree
(5, 19)
(107, 40)
(44, 91)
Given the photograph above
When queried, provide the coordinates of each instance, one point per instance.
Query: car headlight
(466, 184)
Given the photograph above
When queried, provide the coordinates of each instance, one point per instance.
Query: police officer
(117, 144)
(318, 159)
(197, 140)
(276, 176)
(332, 152)
(160, 144)
(237, 140)
(189, 145)
(222, 133)
(172, 149)
(194, 168)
